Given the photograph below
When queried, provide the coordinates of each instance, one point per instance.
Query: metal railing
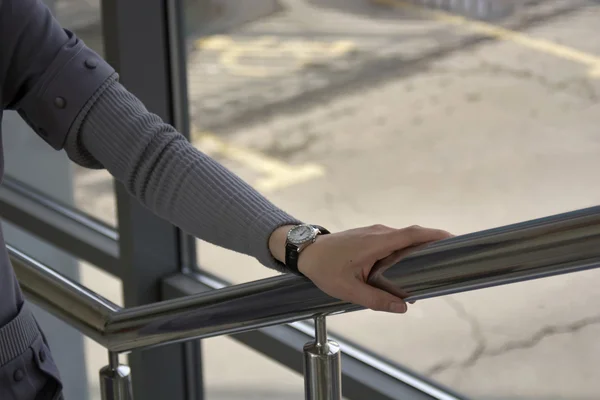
(534, 249)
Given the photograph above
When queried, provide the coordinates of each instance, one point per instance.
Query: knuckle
(379, 227)
(413, 230)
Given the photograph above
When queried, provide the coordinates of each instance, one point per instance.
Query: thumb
(376, 299)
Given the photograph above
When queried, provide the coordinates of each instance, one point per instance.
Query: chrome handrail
(549, 246)
(534, 249)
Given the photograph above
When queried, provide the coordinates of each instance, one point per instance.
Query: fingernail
(398, 308)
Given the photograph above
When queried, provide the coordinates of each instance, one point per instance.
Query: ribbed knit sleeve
(160, 168)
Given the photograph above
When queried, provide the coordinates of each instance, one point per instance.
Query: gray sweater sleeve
(160, 168)
(71, 98)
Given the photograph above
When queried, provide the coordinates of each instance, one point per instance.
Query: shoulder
(47, 74)
(17, 12)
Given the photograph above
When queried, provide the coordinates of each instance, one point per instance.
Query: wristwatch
(298, 238)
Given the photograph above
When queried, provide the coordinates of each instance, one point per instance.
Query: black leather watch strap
(292, 253)
(291, 257)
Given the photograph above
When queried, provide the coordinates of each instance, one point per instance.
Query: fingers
(351, 255)
(375, 299)
(411, 236)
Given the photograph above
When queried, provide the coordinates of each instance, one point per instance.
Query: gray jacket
(72, 99)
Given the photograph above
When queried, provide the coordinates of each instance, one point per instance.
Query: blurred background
(457, 114)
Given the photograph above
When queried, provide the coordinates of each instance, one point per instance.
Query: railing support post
(322, 366)
(115, 380)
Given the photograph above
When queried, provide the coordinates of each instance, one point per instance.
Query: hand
(340, 263)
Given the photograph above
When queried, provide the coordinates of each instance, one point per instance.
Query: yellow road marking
(594, 72)
(215, 42)
(276, 174)
(545, 46)
(297, 53)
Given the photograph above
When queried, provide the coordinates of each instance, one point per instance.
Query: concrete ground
(488, 134)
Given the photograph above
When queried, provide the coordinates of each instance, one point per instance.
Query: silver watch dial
(301, 234)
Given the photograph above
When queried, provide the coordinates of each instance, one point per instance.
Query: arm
(172, 178)
(72, 99)
(178, 182)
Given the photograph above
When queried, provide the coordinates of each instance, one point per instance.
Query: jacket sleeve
(39, 61)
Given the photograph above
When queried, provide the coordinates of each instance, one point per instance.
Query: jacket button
(42, 355)
(60, 102)
(18, 375)
(91, 63)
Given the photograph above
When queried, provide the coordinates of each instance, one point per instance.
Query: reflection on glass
(53, 173)
(353, 112)
(235, 376)
(82, 17)
(93, 189)
(251, 376)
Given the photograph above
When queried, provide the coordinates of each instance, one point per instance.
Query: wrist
(277, 242)
(288, 241)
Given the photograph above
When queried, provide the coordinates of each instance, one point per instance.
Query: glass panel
(89, 190)
(94, 190)
(350, 113)
(55, 176)
(233, 371)
(218, 94)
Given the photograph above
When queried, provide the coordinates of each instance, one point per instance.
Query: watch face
(301, 234)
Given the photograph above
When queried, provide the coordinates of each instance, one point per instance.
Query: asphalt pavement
(311, 49)
(501, 127)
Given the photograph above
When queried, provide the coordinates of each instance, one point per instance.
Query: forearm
(176, 181)
(277, 242)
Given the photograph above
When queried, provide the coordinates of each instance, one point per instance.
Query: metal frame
(139, 45)
(361, 377)
(79, 234)
(144, 41)
(365, 375)
(555, 245)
